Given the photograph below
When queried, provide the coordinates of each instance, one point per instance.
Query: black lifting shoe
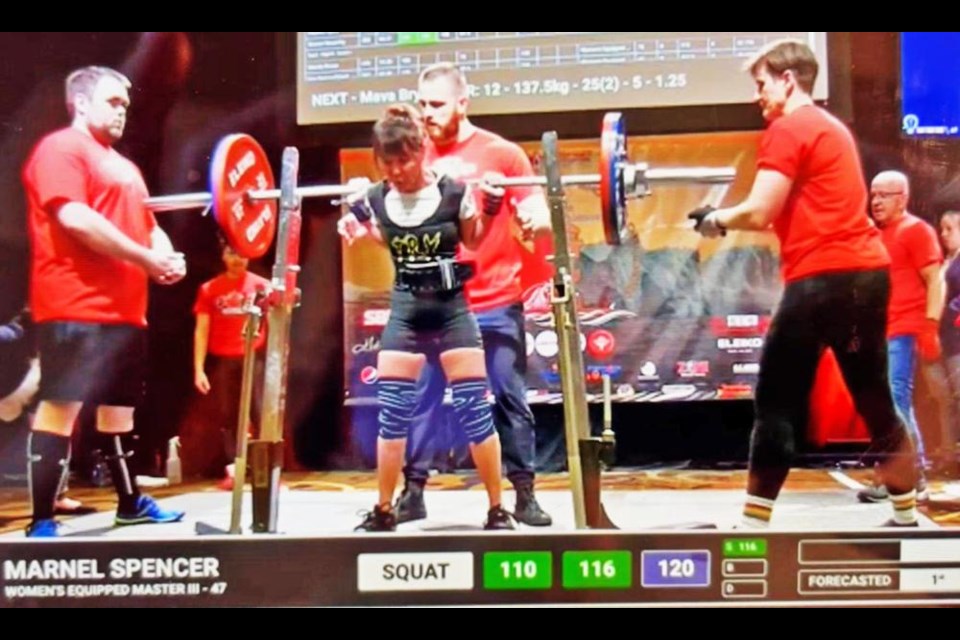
(410, 505)
(528, 510)
(378, 520)
(498, 519)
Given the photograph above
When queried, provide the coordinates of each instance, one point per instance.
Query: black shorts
(430, 323)
(102, 364)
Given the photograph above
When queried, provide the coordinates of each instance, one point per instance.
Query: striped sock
(757, 513)
(905, 508)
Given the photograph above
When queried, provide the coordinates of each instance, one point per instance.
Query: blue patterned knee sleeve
(397, 403)
(472, 411)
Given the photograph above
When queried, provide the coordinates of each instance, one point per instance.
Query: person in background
(913, 319)
(218, 348)
(950, 335)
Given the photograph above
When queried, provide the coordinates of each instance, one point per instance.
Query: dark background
(191, 88)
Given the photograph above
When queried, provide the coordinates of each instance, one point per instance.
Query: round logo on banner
(369, 375)
(547, 344)
(601, 345)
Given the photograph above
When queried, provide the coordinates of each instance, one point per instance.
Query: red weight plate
(239, 166)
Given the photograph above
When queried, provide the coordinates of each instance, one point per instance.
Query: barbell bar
(243, 196)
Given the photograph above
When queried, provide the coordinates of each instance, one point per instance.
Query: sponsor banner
(666, 309)
(640, 353)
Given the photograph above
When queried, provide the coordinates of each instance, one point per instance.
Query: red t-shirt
(499, 258)
(218, 296)
(69, 281)
(913, 246)
(824, 226)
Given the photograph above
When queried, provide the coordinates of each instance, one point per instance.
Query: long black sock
(116, 450)
(48, 457)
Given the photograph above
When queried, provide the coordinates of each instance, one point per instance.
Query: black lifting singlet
(424, 257)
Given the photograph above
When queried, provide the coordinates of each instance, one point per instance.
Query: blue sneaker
(148, 512)
(44, 529)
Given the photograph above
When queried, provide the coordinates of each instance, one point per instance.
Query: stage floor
(328, 504)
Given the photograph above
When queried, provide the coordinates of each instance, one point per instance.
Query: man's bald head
(889, 197)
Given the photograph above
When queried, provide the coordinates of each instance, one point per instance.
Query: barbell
(243, 194)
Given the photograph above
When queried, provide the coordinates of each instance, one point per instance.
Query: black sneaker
(378, 520)
(498, 519)
(528, 510)
(410, 505)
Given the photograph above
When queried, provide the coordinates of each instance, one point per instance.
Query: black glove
(362, 210)
(492, 204)
(697, 215)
